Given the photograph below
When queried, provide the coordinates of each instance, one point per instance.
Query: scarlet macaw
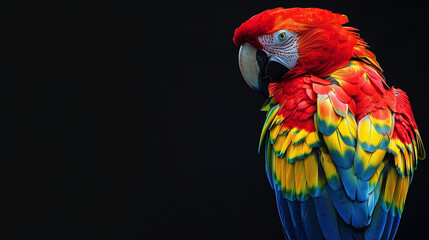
(341, 146)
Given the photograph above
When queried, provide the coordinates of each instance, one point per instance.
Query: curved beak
(259, 69)
(249, 66)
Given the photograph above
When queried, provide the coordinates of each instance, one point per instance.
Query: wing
(340, 154)
(371, 136)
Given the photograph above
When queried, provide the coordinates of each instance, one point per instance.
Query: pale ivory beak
(249, 66)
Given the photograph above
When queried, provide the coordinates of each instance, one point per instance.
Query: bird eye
(282, 36)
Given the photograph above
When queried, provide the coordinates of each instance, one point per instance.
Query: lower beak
(258, 70)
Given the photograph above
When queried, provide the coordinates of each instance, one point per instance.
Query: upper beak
(258, 69)
(249, 66)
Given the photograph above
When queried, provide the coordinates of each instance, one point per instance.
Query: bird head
(278, 44)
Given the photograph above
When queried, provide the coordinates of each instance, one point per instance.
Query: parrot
(341, 146)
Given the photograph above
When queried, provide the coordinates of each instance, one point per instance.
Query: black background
(133, 121)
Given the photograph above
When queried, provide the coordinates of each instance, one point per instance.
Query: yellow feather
(282, 173)
(362, 155)
(399, 144)
(287, 140)
(401, 192)
(279, 143)
(367, 133)
(374, 179)
(407, 160)
(297, 152)
(300, 179)
(375, 138)
(275, 131)
(284, 129)
(334, 141)
(306, 149)
(312, 138)
(277, 120)
(389, 189)
(290, 177)
(276, 167)
(393, 147)
(346, 130)
(300, 136)
(376, 158)
(406, 185)
(398, 193)
(292, 151)
(328, 166)
(351, 122)
(311, 170)
(400, 162)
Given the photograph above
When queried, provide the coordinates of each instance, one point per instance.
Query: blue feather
(309, 219)
(388, 224)
(395, 226)
(342, 203)
(345, 230)
(373, 198)
(355, 188)
(295, 210)
(354, 213)
(375, 230)
(360, 216)
(327, 216)
(285, 215)
(343, 159)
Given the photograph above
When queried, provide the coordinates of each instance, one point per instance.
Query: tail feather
(327, 217)
(285, 215)
(309, 219)
(295, 210)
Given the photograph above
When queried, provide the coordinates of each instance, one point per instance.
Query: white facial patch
(281, 47)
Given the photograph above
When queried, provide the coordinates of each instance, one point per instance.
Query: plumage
(327, 216)
(309, 219)
(375, 230)
(328, 119)
(341, 146)
(330, 170)
(314, 176)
